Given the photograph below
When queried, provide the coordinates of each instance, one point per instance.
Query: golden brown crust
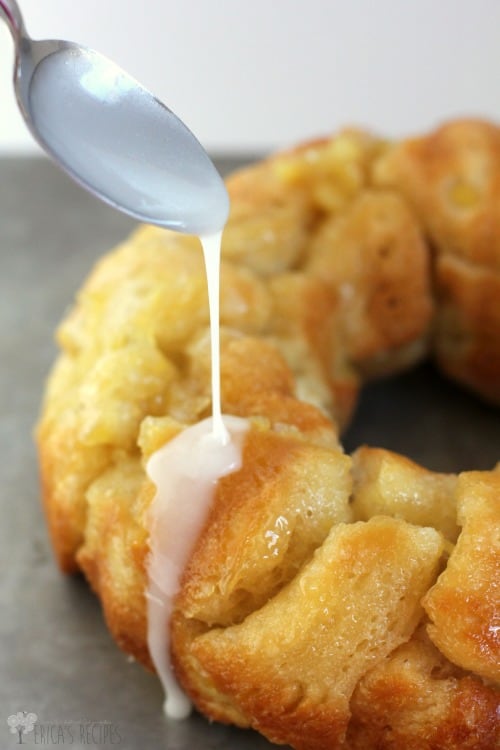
(464, 604)
(415, 699)
(466, 328)
(388, 484)
(344, 258)
(266, 520)
(451, 178)
(295, 661)
(380, 270)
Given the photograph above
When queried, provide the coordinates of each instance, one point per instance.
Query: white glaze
(211, 252)
(186, 471)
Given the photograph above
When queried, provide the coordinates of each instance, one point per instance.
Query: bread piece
(451, 178)
(388, 484)
(291, 667)
(464, 605)
(374, 256)
(466, 328)
(417, 700)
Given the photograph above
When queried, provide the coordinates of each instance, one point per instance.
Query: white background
(252, 75)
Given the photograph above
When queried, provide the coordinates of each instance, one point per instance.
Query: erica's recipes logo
(82, 732)
(22, 723)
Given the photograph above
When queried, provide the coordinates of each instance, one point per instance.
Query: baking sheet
(56, 657)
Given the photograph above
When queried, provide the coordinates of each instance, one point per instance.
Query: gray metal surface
(56, 657)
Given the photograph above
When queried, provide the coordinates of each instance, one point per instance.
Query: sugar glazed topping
(185, 472)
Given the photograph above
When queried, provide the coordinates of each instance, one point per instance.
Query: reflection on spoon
(113, 136)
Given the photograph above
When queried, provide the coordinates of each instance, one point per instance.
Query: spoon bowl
(112, 135)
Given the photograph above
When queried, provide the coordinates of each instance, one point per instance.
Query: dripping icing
(211, 245)
(185, 472)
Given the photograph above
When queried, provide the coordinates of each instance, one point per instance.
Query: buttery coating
(331, 602)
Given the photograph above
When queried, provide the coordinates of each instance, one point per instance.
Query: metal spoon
(112, 135)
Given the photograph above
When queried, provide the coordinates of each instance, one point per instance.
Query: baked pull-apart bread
(330, 601)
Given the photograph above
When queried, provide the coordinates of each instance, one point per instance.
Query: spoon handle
(10, 12)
